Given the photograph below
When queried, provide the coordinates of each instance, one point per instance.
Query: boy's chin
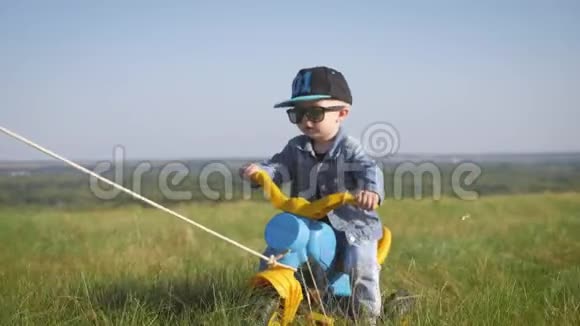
(313, 134)
(316, 135)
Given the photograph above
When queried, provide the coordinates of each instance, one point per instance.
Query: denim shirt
(345, 167)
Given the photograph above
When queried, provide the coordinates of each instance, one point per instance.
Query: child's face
(334, 113)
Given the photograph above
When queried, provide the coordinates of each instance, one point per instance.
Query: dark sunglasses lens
(315, 114)
(293, 116)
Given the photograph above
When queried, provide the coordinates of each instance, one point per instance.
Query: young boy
(324, 160)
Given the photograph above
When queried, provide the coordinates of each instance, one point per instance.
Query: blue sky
(183, 79)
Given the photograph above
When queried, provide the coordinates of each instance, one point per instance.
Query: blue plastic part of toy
(294, 259)
(340, 285)
(287, 231)
(322, 244)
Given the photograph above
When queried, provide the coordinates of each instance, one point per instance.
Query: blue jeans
(359, 261)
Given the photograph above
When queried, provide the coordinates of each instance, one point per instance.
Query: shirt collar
(305, 144)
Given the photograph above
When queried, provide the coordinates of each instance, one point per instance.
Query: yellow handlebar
(297, 205)
(316, 209)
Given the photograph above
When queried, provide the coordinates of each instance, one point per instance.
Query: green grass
(515, 260)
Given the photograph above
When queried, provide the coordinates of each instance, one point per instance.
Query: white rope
(136, 195)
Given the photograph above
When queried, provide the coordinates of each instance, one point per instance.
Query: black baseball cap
(317, 83)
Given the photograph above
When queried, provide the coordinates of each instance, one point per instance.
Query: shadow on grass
(204, 293)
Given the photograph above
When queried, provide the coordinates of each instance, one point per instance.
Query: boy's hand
(367, 200)
(247, 170)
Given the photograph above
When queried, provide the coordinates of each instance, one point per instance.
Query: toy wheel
(265, 308)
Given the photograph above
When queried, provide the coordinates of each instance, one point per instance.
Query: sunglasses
(313, 114)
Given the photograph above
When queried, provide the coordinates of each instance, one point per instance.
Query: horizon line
(251, 157)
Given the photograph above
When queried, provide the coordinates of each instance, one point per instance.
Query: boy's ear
(344, 112)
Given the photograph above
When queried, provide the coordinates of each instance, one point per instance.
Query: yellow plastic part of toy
(297, 205)
(384, 246)
(316, 209)
(283, 281)
(316, 319)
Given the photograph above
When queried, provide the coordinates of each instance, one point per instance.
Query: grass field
(515, 260)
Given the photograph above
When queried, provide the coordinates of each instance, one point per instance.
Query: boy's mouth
(309, 130)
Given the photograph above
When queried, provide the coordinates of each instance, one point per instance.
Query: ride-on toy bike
(295, 238)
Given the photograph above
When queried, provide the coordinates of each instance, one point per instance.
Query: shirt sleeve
(279, 166)
(368, 173)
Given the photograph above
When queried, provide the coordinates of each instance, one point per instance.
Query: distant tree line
(66, 187)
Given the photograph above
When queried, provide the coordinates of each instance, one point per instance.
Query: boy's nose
(307, 123)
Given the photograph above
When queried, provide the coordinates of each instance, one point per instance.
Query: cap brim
(298, 99)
